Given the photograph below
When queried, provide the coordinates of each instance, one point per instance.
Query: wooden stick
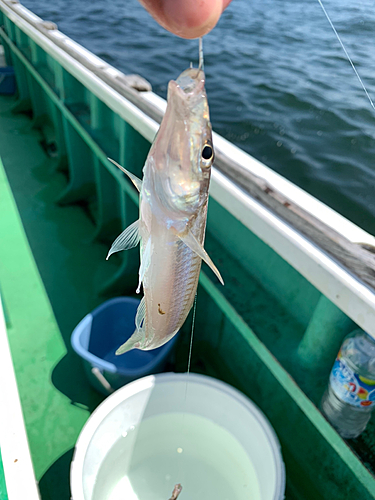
(176, 491)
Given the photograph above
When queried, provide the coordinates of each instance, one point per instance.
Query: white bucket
(148, 436)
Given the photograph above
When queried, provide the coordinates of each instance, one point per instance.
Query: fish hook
(201, 62)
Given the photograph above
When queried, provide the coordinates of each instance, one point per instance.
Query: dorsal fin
(137, 182)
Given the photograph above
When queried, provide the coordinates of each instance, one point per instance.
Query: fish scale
(184, 293)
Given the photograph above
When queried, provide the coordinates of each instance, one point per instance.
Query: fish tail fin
(136, 341)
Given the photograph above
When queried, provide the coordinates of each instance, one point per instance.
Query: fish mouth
(191, 80)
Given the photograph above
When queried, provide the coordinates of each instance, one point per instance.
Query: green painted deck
(62, 205)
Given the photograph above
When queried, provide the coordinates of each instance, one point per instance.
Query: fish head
(183, 151)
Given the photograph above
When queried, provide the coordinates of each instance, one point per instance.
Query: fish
(172, 214)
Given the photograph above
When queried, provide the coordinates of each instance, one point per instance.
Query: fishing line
(191, 342)
(346, 53)
(180, 450)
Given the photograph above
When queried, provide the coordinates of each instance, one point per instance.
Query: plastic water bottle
(350, 397)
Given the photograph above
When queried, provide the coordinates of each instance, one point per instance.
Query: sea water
(149, 459)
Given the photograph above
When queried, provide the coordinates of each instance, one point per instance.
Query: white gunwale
(18, 469)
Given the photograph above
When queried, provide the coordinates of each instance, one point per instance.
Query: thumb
(186, 18)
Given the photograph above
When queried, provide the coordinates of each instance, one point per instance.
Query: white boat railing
(14, 447)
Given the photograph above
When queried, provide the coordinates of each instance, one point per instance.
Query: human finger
(186, 18)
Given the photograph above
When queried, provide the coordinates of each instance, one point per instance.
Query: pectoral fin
(191, 241)
(137, 182)
(127, 239)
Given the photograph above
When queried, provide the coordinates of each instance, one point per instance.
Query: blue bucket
(7, 81)
(98, 335)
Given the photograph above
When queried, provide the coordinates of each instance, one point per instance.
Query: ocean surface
(278, 82)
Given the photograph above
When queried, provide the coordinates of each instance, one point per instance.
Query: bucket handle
(101, 379)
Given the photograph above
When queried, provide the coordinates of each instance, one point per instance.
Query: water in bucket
(149, 459)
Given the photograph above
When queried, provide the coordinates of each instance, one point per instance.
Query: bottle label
(351, 387)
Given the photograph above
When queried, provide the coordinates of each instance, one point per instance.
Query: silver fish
(173, 212)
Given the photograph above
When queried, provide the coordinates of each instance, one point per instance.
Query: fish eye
(207, 154)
